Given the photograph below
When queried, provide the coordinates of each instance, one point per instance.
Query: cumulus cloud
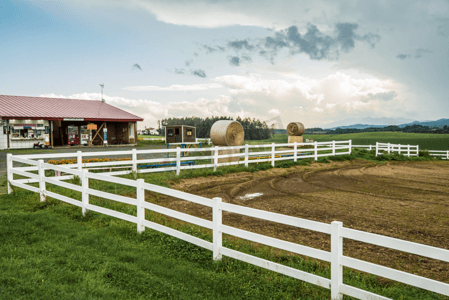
(386, 96)
(236, 61)
(180, 71)
(314, 101)
(403, 56)
(313, 42)
(136, 67)
(274, 111)
(199, 73)
(174, 87)
(152, 111)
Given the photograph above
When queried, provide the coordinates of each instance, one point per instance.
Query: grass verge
(49, 251)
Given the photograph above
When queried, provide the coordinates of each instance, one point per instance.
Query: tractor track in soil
(405, 200)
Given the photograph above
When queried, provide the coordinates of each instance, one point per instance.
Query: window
(170, 132)
(189, 132)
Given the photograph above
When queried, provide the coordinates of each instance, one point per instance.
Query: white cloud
(174, 87)
(315, 101)
(274, 111)
(152, 111)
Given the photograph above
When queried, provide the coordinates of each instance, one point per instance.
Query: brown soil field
(405, 200)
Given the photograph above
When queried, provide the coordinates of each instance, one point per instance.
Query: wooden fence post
(246, 155)
(134, 159)
(178, 161)
(9, 171)
(295, 153)
(79, 160)
(215, 158)
(217, 234)
(85, 193)
(336, 254)
(140, 195)
(273, 148)
(333, 147)
(316, 150)
(41, 172)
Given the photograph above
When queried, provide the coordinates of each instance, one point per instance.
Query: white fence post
(41, 172)
(79, 160)
(377, 148)
(85, 193)
(217, 234)
(417, 150)
(9, 171)
(134, 159)
(215, 158)
(447, 155)
(295, 153)
(316, 150)
(178, 161)
(399, 148)
(336, 254)
(388, 148)
(370, 147)
(350, 147)
(408, 150)
(246, 155)
(333, 148)
(273, 149)
(140, 195)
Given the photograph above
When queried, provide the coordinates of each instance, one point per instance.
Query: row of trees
(416, 128)
(254, 129)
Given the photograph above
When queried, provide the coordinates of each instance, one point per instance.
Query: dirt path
(405, 200)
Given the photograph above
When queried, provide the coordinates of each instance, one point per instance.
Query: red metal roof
(21, 107)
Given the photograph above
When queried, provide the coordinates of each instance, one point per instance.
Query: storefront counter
(18, 143)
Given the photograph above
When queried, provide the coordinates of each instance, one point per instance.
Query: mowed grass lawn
(49, 251)
(424, 140)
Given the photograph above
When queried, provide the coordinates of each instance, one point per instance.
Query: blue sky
(318, 63)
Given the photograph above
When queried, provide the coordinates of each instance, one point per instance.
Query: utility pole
(102, 86)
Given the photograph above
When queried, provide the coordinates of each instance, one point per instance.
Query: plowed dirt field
(405, 200)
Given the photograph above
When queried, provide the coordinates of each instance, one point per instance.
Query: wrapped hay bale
(295, 130)
(227, 133)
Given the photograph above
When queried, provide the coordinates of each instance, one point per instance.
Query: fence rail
(336, 230)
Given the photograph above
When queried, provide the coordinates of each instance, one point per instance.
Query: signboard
(105, 135)
(91, 126)
(73, 119)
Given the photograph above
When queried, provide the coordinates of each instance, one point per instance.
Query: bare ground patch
(405, 200)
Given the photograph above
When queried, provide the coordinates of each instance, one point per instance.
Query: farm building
(27, 122)
(180, 134)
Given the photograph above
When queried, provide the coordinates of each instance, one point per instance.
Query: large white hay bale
(227, 133)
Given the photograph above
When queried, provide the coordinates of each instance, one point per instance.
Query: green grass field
(424, 140)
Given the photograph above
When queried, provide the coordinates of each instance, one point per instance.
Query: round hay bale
(227, 133)
(295, 129)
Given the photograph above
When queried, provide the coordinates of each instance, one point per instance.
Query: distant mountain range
(368, 122)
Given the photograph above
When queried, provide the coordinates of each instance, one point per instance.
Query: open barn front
(93, 133)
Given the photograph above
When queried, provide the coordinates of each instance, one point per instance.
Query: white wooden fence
(443, 154)
(335, 229)
(245, 155)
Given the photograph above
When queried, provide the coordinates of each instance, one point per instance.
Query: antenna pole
(102, 86)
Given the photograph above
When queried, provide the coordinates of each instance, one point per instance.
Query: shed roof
(23, 107)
